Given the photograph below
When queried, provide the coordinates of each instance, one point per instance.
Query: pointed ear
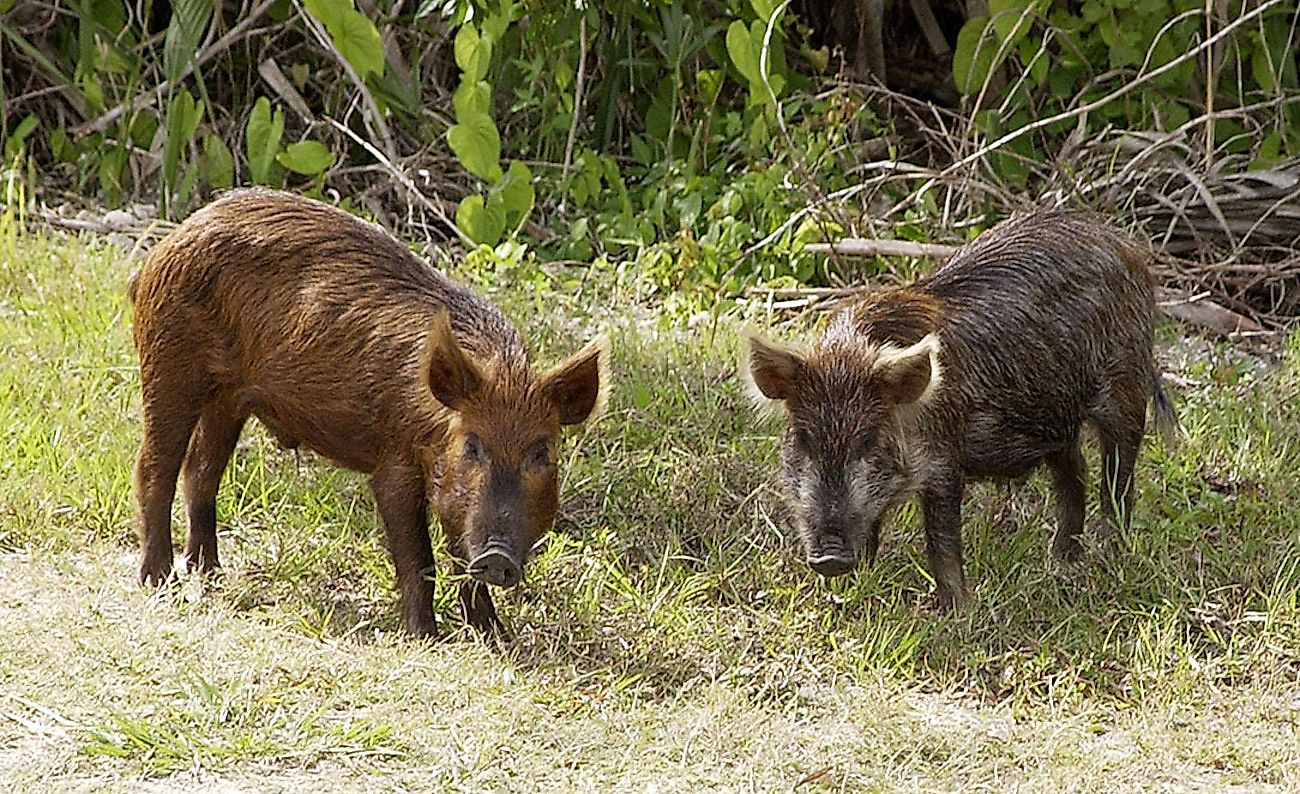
(772, 368)
(579, 385)
(910, 375)
(449, 373)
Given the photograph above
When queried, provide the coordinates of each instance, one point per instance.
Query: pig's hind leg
(209, 452)
(170, 409)
(1119, 431)
(1069, 474)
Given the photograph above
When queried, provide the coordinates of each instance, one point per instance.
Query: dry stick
(895, 166)
(851, 246)
(403, 179)
(274, 77)
(578, 100)
(372, 116)
(934, 37)
(1016, 134)
(149, 97)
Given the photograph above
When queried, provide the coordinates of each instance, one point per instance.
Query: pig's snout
(831, 565)
(497, 565)
(832, 557)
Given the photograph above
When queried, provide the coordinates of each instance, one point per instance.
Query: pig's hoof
(948, 601)
(156, 575)
(1067, 548)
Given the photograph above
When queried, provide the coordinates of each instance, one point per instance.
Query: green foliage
(476, 142)
(352, 32)
(1056, 52)
(189, 20)
(309, 158)
(183, 116)
(262, 140)
(758, 63)
(680, 139)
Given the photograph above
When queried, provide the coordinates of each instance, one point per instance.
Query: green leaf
(308, 158)
(482, 223)
(764, 8)
(353, 34)
(495, 24)
(744, 55)
(183, 116)
(972, 61)
(219, 163)
(262, 140)
(473, 53)
(516, 189)
(14, 144)
(111, 165)
(1006, 16)
(472, 99)
(189, 20)
(477, 145)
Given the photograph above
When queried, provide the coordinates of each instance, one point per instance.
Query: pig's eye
(474, 451)
(864, 444)
(539, 455)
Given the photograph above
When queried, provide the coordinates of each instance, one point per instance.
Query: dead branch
(860, 247)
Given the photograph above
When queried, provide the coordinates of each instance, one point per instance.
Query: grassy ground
(668, 637)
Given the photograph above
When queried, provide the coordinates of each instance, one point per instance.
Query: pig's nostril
(831, 565)
(496, 567)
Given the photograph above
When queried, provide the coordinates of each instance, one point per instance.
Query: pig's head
(497, 492)
(845, 458)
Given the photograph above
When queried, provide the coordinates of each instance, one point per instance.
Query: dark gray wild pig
(989, 367)
(337, 337)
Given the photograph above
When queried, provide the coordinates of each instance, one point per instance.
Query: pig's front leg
(941, 502)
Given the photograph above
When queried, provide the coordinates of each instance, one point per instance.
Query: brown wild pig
(987, 368)
(338, 338)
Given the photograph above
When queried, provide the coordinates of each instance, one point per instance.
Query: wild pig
(337, 337)
(989, 367)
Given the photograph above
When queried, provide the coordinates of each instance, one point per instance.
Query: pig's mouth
(831, 556)
(497, 565)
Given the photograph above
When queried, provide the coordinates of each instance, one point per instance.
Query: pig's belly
(341, 436)
(997, 447)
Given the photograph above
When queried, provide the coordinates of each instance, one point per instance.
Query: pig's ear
(450, 374)
(772, 368)
(909, 375)
(579, 386)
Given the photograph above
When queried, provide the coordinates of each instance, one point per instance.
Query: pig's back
(311, 318)
(1044, 317)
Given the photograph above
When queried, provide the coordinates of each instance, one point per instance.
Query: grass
(668, 637)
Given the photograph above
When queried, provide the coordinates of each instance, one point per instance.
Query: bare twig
(859, 247)
(274, 77)
(155, 95)
(404, 180)
(578, 100)
(373, 117)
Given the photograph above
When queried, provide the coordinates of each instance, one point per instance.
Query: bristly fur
(1046, 326)
(338, 338)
